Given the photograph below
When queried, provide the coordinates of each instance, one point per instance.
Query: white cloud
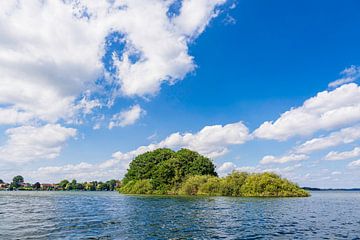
(350, 74)
(211, 141)
(333, 155)
(159, 43)
(326, 111)
(344, 136)
(82, 172)
(195, 15)
(46, 69)
(13, 116)
(227, 167)
(126, 117)
(284, 159)
(51, 58)
(28, 143)
(354, 164)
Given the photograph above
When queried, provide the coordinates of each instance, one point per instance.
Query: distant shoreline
(332, 189)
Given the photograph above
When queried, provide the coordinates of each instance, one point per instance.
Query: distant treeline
(331, 189)
(186, 172)
(18, 183)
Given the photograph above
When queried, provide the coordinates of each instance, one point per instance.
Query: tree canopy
(165, 169)
(186, 172)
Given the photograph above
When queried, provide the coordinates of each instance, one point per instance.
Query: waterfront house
(4, 186)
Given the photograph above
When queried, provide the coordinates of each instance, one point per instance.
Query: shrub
(270, 185)
(138, 187)
(231, 184)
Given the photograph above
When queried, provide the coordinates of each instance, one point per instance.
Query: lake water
(109, 215)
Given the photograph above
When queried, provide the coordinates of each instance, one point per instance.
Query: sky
(86, 86)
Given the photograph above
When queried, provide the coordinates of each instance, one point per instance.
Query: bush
(137, 187)
(191, 186)
(270, 185)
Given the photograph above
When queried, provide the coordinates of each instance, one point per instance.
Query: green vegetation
(19, 184)
(240, 184)
(185, 172)
(162, 171)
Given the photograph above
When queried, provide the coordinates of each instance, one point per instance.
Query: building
(49, 186)
(4, 186)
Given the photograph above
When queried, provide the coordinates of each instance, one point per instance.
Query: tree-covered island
(186, 172)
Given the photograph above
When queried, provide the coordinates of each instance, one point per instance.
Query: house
(48, 186)
(4, 186)
(25, 185)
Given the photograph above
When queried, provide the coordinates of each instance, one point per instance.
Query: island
(185, 172)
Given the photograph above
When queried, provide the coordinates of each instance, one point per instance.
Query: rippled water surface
(109, 215)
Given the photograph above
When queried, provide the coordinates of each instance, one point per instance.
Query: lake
(109, 215)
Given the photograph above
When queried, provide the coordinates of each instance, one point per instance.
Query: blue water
(109, 215)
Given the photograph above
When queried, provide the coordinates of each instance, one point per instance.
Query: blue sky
(206, 75)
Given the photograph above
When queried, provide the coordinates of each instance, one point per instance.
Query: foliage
(201, 185)
(138, 187)
(240, 184)
(165, 170)
(17, 181)
(270, 185)
(65, 185)
(231, 184)
(36, 185)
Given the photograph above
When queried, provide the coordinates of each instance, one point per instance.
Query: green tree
(63, 184)
(17, 181)
(1, 181)
(111, 184)
(36, 186)
(79, 186)
(166, 169)
(90, 186)
(231, 184)
(145, 165)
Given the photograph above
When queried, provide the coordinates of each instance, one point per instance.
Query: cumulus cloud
(27, 143)
(51, 52)
(354, 164)
(343, 136)
(212, 141)
(58, 62)
(82, 172)
(227, 167)
(284, 159)
(157, 45)
(333, 155)
(350, 74)
(126, 117)
(45, 68)
(326, 111)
